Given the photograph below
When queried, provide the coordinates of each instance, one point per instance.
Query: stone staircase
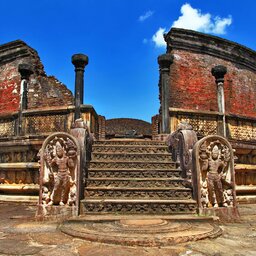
(135, 177)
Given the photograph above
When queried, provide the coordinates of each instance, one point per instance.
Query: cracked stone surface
(20, 234)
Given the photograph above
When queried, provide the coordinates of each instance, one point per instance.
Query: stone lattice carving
(242, 130)
(7, 127)
(201, 125)
(213, 172)
(60, 164)
(45, 124)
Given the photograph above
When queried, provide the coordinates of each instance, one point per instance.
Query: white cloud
(145, 16)
(193, 19)
(221, 24)
(158, 38)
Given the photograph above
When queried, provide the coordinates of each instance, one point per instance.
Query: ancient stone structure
(204, 81)
(125, 127)
(212, 87)
(135, 177)
(32, 106)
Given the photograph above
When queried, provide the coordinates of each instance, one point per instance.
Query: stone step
(127, 142)
(134, 165)
(138, 193)
(133, 206)
(153, 149)
(148, 157)
(136, 183)
(134, 173)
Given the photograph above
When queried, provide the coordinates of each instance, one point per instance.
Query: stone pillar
(79, 61)
(219, 72)
(164, 62)
(25, 71)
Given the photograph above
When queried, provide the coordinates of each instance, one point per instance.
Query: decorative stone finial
(80, 60)
(164, 61)
(219, 72)
(25, 70)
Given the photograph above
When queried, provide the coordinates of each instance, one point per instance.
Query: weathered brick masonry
(192, 85)
(121, 126)
(43, 91)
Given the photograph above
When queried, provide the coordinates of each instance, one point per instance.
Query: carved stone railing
(46, 121)
(206, 123)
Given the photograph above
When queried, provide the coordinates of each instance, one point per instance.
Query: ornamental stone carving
(213, 173)
(180, 144)
(59, 168)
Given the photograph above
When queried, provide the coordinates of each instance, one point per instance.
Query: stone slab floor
(21, 235)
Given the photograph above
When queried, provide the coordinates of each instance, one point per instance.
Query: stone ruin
(195, 84)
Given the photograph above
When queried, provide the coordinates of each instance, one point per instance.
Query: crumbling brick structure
(43, 91)
(49, 107)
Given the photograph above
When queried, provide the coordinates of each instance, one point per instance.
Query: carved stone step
(133, 206)
(154, 149)
(138, 193)
(129, 142)
(134, 173)
(132, 157)
(135, 165)
(136, 183)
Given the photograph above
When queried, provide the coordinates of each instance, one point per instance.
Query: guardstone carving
(213, 172)
(59, 167)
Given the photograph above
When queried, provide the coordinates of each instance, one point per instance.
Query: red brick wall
(192, 85)
(120, 126)
(43, 90)
(9, 89)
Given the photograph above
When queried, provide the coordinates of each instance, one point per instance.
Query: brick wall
(192, 85)
(120, 126)
(43, 91)
(9, 88)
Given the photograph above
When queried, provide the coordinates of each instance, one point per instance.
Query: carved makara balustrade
(181, 144)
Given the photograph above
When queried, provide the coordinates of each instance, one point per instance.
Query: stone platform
(20, 234)
(142, 230)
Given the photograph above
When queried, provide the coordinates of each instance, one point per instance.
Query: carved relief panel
(59, 170)
(213, 173)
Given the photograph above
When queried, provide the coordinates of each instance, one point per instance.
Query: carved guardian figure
(59, 165)
(213, 172)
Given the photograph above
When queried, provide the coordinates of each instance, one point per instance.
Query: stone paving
(20, 234)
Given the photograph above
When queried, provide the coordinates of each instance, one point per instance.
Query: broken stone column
(219, 72)
(25, 71)
(79, 61)
(164, 62)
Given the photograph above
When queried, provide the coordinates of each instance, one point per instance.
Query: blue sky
(120, 37)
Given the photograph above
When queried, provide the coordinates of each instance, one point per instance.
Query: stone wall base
(225, 214)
